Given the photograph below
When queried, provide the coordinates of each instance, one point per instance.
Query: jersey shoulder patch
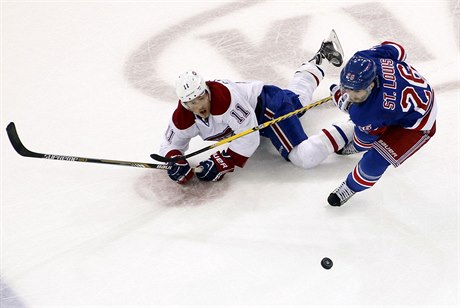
(220, 97)
(183, 118)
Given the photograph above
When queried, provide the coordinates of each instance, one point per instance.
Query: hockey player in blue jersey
(394, 111)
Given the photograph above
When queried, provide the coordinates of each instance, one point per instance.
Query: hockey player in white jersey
(215, 110)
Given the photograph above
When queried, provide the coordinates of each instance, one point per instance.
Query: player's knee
(308, 154)
(305, 162)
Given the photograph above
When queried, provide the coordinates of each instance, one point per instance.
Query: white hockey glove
(341, 101)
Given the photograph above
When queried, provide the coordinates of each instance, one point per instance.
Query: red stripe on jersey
(332, 140)
(399, 48)
(316, 78)
(424, 120)
(427, 116)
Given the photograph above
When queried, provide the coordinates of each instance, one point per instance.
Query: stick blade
(16, 142)
(164, 159)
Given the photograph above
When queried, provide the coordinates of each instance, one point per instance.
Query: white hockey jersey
(233, 107)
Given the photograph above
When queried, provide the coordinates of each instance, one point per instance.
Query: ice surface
(96, 79)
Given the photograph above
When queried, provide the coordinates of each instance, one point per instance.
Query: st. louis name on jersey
(404, 98)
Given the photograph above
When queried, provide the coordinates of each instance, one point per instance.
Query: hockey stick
(243, 133)
(23, 151)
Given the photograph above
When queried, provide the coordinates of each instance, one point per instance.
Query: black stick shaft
(23, 151)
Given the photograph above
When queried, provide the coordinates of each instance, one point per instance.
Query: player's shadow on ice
(264, 167)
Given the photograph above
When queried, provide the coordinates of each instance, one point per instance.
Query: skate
(331, 50)
(348, 149)
(340, 195)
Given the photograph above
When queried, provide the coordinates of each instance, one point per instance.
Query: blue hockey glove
(341, 101)
(215, 167)
(180, 171)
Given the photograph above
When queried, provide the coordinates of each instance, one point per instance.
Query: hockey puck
(326, 263)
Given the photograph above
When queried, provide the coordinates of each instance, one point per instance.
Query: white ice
(95, 79)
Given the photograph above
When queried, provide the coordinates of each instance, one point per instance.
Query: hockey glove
(341, 101)
(215, 167)
(180, 171)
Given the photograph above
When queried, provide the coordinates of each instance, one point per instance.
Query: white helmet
(190, 85)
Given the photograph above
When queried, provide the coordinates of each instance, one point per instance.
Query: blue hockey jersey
(402, 97)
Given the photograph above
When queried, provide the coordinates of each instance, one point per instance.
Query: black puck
(326, 263)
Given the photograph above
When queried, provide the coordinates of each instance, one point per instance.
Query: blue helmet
(358, 73)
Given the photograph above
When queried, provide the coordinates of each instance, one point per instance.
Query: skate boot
(340, 195)
(331, 50)
(348, 149)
